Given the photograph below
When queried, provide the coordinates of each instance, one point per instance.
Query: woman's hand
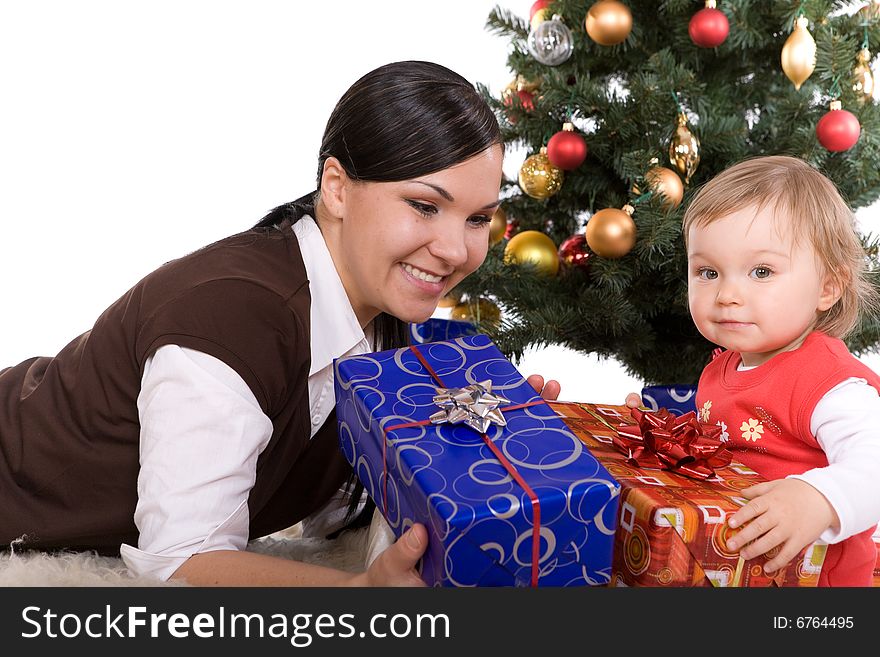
(550, 390)
(396, 565)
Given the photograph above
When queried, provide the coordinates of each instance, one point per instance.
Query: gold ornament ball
(666, 183)
(519, 83)
(533, 247)
(483, 311)
(799, 53)
(498, 226)
(538, 177)
(450, 300)
(611, 233)
(608, 22)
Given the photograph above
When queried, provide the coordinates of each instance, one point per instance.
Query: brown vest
(69, 429)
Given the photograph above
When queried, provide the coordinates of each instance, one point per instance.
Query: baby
(776, 276)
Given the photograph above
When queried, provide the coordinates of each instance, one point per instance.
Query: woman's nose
(448, 243)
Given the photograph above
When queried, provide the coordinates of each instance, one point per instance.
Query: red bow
(677, 443)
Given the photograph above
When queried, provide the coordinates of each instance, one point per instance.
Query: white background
(132, 133)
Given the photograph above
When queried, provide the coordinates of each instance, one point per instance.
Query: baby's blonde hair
(816, 213)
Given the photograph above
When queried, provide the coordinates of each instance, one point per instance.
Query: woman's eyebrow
(437, 189)
(450, 198)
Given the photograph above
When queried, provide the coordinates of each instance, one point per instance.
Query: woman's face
(401, 246)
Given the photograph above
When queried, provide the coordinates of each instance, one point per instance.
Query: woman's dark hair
(405, 120)
(398, 122)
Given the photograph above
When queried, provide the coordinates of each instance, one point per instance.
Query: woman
(198, 411)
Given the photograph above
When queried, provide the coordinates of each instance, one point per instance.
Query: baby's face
(751, 289)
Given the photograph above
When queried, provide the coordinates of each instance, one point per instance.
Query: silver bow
(475, 405)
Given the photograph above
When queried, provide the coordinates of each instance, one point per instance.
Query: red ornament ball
(538, 6)
(575, 252)
(512, 229)
(566, 150)
(838, 130)
(708, 28)
(526, 99)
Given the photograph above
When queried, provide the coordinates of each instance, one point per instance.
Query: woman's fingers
(536, 381)
(549, 390)
(397, 564)
(633, 400)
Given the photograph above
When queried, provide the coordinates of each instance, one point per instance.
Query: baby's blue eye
(708, 274)
(762, 272)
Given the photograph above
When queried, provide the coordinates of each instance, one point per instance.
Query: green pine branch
(624, 99)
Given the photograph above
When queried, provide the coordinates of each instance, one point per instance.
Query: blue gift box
(676, 399)
(438, 330)
(480, 519)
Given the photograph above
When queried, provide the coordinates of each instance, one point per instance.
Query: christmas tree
(659, 98)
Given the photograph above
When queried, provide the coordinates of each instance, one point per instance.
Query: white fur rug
(348, 552)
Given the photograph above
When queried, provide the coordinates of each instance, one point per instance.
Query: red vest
(765, 416)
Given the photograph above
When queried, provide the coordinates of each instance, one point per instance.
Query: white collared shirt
(202, 431)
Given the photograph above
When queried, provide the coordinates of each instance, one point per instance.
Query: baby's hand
(633, 400)
(788, 513)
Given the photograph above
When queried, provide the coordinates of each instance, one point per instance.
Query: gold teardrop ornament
(799, 53)
(684, 150)
(863, 77)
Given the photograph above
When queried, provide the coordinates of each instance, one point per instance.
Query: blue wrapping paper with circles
(679, 399)
(479, 519)
(438, 330)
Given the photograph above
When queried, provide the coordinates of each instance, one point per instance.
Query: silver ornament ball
(551, 42)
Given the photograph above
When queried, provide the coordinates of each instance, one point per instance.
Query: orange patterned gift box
(672, 529)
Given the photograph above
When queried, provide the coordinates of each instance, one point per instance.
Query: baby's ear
(832, 290)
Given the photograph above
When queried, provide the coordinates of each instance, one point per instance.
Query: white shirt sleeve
(845, 423)
(202, 430)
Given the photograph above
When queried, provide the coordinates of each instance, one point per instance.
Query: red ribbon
(511, 470)
(678, 443)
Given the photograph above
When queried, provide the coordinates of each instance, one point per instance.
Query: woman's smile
(423, 280)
